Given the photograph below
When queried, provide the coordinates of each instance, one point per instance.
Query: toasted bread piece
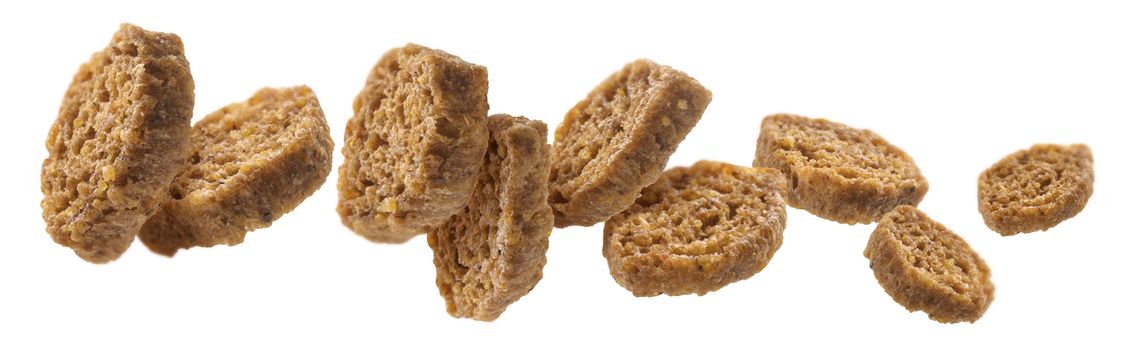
(1036, 189)
(491, 253)
(119, 139)
(414, 145)
(618, 139)
(697, 229)
(924, 266)
(252, 162)
(837, 172)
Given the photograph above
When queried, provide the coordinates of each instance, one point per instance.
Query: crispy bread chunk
(924, 266)
(837, 172)
(491, 254)
(121, 136)
(253, 162)
(414, 145)
(697, 229)
(1036, 189)
(618, 139)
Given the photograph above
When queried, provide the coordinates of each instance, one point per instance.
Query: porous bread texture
(618, 139)
(491, 253)
(120, 137)
(252, 162)
(697, 229)
(924, 266)
(837, 172)
(414, 144)
(1036, 189)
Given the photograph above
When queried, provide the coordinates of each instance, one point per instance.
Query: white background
(957, 86)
